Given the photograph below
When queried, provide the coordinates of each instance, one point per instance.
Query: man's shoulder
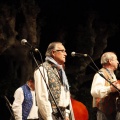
(45, 64)
(102, 70)
(19, 90)
(40, 65)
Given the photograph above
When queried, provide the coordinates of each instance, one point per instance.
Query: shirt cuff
(67, 112)
(49, 118)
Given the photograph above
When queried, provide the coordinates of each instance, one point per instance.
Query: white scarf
(64, 77)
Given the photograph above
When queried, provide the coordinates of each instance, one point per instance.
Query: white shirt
(17, 105)
(98, 88)
(42, 95)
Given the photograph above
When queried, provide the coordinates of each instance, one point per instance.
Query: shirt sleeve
(98, 88)
(42, 93)
(17, 104)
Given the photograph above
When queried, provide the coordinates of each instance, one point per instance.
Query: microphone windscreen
(73, 54)
(23, 41)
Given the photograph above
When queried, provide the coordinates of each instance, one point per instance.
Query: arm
(98, 88)
(17, 104)
(42, 94)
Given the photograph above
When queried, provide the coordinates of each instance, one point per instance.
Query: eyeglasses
(61, 51)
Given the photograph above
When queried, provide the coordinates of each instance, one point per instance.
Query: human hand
(118, 84)
(113, 89)
(66, 118)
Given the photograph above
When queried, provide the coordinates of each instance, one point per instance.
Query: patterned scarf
(64, 77)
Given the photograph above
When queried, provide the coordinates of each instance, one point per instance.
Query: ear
(109, 61)
(53, 53)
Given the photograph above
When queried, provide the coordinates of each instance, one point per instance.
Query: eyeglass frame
(63, 51)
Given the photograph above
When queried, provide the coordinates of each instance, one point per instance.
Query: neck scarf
(64, 77)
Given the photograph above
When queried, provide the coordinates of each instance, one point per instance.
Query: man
(51, 85)
(104, 87)
(24, 104)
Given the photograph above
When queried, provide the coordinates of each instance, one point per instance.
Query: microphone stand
(59, 111)
(8, 104)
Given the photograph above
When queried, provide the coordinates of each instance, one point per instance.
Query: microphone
(73, 54)
(25, 42)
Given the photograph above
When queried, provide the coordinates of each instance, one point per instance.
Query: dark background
(89, 26)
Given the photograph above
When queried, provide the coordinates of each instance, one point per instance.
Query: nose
(65, 54)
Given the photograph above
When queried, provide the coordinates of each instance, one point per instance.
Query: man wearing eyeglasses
(51, 85)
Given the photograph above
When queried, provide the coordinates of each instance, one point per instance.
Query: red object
(80, 110)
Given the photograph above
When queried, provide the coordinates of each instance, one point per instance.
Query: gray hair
(51, 47)
(107, 56)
